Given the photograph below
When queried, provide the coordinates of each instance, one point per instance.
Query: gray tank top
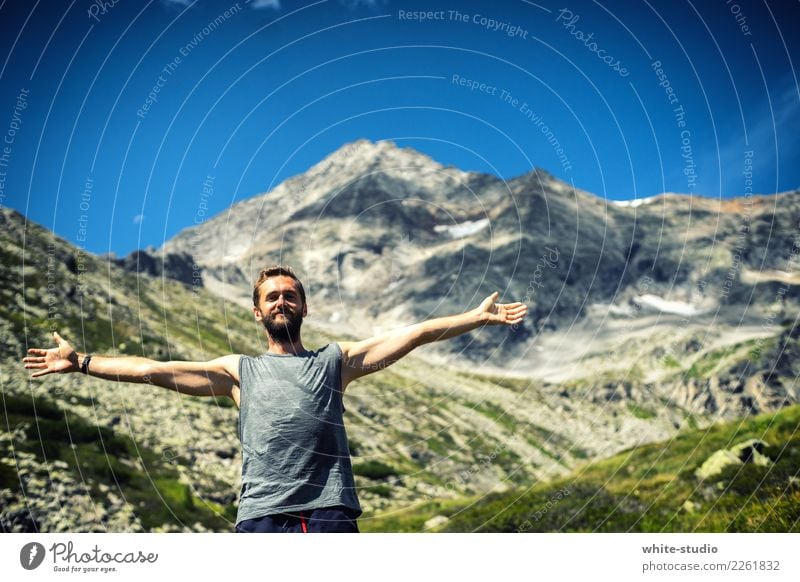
(294, 445)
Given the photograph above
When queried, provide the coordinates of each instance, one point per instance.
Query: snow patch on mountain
(667, 306)
(635, 202)
(463, 229)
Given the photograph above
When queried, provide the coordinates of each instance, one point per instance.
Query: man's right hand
(60, 360)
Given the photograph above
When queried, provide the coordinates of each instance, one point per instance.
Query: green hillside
(101, 479)
(650, 488)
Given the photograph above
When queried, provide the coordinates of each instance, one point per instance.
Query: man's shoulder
(331, 350)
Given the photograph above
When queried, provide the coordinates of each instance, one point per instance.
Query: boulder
(436, 521)
(750, 451)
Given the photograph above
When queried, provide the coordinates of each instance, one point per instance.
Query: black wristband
(85, 364)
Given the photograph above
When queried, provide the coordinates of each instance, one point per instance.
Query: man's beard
(286, 330)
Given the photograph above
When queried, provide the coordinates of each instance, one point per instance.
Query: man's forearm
(212, 378)
(382, 350)
(443, 328)
(121, 368)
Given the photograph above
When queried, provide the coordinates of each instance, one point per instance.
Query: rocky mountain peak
(366, 162)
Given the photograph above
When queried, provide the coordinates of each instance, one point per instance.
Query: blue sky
(143, 101)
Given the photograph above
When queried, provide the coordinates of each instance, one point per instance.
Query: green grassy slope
(650, 488)
(101, 480)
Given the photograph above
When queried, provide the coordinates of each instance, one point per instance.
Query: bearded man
(297, 475)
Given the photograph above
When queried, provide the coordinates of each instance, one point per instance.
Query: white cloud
(259, 4)
(354, 4)
(176, 2)
(138, 219)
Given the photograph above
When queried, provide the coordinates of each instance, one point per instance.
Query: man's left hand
(501, 313)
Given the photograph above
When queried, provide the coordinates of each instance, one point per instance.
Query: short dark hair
(277, 271)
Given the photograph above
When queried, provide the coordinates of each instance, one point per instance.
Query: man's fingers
(37, 351)
(519, 311)
(42, 373)
(33, 360)
(516, 317)
(512, 306)
(35, 366)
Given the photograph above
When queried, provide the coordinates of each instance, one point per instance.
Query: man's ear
(257, 313)
(305, 309)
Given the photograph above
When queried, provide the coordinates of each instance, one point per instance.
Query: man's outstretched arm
(373, 354)
(219, 377)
